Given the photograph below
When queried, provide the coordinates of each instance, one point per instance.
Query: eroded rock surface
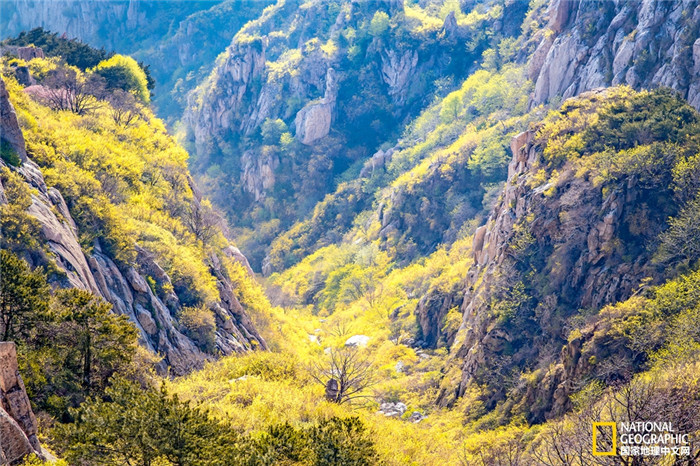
(567, 233)
(587, 45)
(10, 134)
(18, 427)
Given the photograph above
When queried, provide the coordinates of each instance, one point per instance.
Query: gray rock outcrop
(313, 122)
(11, 136)
(23, 53)
(644, 44)
(18, 427)
(574, 234)
(357, 340)
(398, 72)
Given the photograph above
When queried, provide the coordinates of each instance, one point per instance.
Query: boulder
(392, 409)
(313, 122)
(234, 253)
(357, 340)
(332, 390)
(23, 53)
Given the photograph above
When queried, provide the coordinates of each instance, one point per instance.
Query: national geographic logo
(638, 439)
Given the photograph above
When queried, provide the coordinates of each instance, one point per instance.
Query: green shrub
(200, 325)
(272, 131)
(379, 23)
(9, 154)
(137, 426)
(123, 72)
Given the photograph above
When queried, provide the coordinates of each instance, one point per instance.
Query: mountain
(106, 209)
(583, 223)
(179, 40)
(472, 229)
(319, 90)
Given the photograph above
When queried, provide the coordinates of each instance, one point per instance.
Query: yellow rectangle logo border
(595, 439)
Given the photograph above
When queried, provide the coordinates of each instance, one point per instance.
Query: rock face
(11, 134)
(151, 310)
(313, 122)
(245, 62)
(562, 238)
(398, 71)
(167, 35)
(338, 96)
(18, 428)
(430, 314)
(23, 53)
(598, 44)
(76, 19)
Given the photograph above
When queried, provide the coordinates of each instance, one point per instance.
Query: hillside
(469, 231)
(179, 40)
(321, 89)
(102, 200)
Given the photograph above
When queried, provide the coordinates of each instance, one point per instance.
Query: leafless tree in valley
(345, 374)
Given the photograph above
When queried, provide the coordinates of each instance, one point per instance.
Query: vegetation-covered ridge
(320, 89)
(565, 240)
(634, 359)
(460, 265)
(102, 200)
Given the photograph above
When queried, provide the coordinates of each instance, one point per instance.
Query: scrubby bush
(272, 131)
(200, 325)
(137, 426)
(379, 23)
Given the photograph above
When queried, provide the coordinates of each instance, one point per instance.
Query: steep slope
(18, 426)
(317, 90)
(121, 231)
(599, 44)
(579, 225)
(178, 40)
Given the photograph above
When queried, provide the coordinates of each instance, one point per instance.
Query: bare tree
(124, 108)
(398, 332)
(67, 90)
(341, 328)
(368, 287)
(675, 400)
(507, 449)
(202, 220)
(345, 374)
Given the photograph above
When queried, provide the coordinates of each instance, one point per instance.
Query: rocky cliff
(570, 236)
(560, 244)
(18, 427)
(336, 81)
(152, 308)
(643, 44)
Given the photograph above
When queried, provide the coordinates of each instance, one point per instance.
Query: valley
(349, 233)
